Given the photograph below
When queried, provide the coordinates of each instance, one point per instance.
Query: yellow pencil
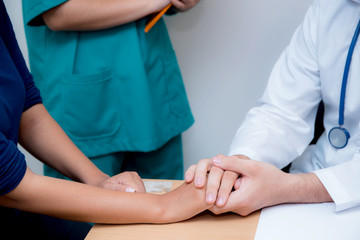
(154, 20)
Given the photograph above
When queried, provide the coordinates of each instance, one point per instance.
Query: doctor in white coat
(321, 63)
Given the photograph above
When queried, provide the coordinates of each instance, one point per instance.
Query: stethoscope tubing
(336, 140)
(346, 74)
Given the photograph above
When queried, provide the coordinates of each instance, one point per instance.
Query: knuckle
(204, 161)
(134, 174)
(216, 211)
(225, 189)
(192, 167)
(230, 176)
(244, 212)
(216, 170)
(203, 165)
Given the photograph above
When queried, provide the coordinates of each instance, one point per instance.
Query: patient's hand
(184, 202)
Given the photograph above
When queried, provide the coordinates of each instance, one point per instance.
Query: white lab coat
(279, 129)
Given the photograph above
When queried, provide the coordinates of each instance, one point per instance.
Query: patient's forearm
(80, 202)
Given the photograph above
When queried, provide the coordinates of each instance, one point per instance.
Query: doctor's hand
(184, 5)
(262, 184)
(220, 182)
(124, 182)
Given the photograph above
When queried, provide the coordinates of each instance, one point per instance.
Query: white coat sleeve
(281, 126)
(342, 183)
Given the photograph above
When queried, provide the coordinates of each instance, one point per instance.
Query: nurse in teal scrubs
(115, 90)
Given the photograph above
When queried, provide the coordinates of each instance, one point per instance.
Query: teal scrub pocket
(88, 107)
(176, 90)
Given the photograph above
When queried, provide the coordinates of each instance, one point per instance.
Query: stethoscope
(339, 136)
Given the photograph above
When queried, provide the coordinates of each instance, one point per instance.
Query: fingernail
(216, 160)
(198, 181)
(187, 177)
(129, 189)
(210, 198)
(220, 201)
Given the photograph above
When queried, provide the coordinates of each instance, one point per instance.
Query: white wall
(226, 50)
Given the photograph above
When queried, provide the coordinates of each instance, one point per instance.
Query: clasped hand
(221, 184)
(237, 184)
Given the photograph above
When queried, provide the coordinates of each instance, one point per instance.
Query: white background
(226, 50)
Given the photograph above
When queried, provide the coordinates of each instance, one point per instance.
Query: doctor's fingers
(227, 183)
(213, 184)
(238, 203)
(236, 164)
(227, 207)
(219, 186)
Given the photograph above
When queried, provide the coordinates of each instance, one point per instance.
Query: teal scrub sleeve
(34, 8)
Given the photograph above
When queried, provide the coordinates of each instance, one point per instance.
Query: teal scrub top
(111, 90)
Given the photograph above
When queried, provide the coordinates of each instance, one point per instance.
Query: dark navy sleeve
(7, 33)
(13, 101)
(12, 165)
(32, 94)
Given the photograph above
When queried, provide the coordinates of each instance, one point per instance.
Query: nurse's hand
(184, 5)
(220, 183)
(124, 182)
(262, 184)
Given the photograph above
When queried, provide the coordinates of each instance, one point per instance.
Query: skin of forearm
(86, 15)
(80, 202)
(305, 188)
(44, 138)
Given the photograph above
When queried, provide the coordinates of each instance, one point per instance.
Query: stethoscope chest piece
(338, 137)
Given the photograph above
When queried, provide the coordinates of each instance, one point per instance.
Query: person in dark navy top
(24, 196)
(17, 94)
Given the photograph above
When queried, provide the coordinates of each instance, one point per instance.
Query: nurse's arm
(44, 138)
(83, 15)
(80, 202)
(40, 135)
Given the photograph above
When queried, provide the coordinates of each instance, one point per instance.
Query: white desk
(308, 221)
